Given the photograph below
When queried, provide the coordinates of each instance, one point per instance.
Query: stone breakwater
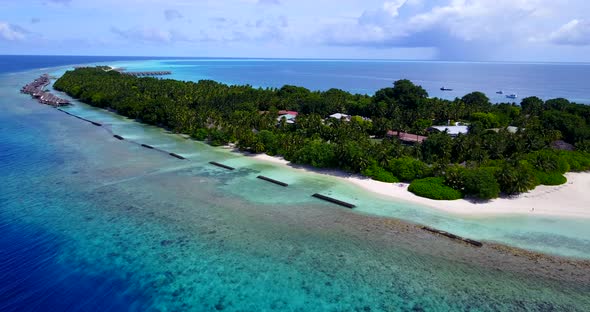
(37, 90)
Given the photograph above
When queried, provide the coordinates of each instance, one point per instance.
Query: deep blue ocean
(545, 80)
(91, 223)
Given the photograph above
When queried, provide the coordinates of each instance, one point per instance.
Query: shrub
(554, 178)
(317, 153)
(268, 141)
(577, 161)
(548, 161)
(480, 182)
(583, 146)
(455, 177)
(516, 178)
(434, 188)
(376, 172)
(437, 148)
(200, 134)
(408, 169)
(218, 137)
(488, 120)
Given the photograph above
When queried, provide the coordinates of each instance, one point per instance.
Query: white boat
(512, 96)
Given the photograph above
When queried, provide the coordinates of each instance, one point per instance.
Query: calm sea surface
(88, 222)
(543, 80)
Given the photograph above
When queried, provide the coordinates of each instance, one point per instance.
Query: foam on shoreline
(570, 200)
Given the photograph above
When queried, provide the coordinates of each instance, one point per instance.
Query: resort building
(288, 112)
(407, 138)
(289, 117)
(510, 129)
(340, 116)
(453, 131)
(562, 146)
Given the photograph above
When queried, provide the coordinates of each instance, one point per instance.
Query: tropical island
(445, 149)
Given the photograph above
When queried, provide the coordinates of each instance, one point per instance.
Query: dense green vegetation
(484, 163)
(434, 188)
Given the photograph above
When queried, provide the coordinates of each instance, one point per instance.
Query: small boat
(445, 89)
(512, 96)
(500, 92)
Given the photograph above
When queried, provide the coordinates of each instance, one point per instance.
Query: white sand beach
(568, 200)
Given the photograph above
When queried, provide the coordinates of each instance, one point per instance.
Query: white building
(289, 117)
(452, 130)
(340, 116)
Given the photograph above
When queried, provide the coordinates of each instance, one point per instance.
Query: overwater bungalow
(37, 90)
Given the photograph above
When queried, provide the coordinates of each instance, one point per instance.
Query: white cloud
(11, 32)
(171, 15)
(269, 2)
(149, 34)
(262, 2)
(475, 19)
(60, 1)
(392, 7)
(576, 33)
(455, 27)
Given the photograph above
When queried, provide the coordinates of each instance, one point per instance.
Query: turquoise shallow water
(125, 228)
(561, 236)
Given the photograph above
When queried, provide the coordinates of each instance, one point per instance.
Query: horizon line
(155, 57)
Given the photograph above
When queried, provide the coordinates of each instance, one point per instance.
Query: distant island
(447, 150)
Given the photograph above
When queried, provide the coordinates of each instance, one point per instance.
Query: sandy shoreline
(571, 200)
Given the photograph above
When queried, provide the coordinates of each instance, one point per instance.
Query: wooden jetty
(272, 181)
(37, 90)
(453, 236)
(333, 200)
(147, 73)
(214, 163)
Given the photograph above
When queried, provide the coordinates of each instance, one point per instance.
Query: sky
(458, 30)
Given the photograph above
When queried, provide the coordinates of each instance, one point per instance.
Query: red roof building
(407, 137)
(286, 112)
